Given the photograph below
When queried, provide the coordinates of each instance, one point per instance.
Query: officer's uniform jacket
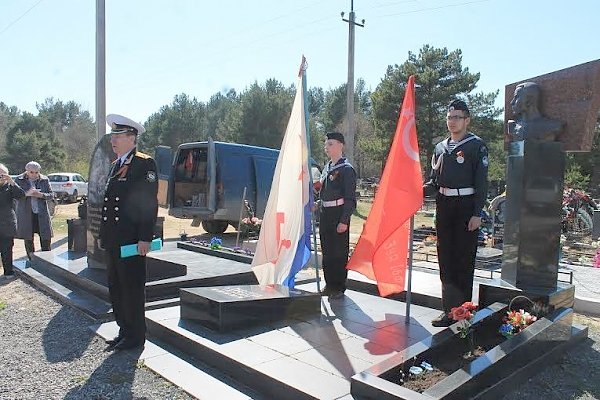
(130, 203)
(339, 182)
(464, 167)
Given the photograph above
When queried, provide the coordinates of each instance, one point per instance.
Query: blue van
(207, 182)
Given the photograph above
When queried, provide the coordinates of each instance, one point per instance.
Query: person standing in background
(33, 215)
(9, 192)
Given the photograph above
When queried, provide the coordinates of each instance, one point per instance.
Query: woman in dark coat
(32, 210)
(9, 191)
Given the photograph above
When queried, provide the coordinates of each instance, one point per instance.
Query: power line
(20, 17)
(432, 8)
(190, 62)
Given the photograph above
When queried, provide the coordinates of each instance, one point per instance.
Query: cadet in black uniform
(128, 217)
(338, 201)
(459, 182)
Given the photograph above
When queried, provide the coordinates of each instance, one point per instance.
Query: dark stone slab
(230, 255)
(165, 264)
(490, 373)
(533, 214)
(571, 95)
(498, 290)
(228, 307)
(169, 270)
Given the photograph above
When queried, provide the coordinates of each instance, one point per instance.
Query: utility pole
(100, 69)
(350, 85)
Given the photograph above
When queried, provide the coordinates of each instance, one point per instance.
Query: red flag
(382, 248)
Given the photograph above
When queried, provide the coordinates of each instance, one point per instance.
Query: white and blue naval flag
(283, 246)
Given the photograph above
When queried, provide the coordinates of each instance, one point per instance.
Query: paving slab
(305, 357)
(204, 385)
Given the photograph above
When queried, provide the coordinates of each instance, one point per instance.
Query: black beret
(336, 136)
(458, 105)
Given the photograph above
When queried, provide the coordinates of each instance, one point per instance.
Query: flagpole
(410, 265)
(303, 67)
(237, 239)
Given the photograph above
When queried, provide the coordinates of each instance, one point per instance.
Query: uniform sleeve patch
(151, 176)
(484, 161)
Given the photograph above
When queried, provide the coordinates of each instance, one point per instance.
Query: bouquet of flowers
(251, 225)
(216, 243)
(515, 322)
(465, 314)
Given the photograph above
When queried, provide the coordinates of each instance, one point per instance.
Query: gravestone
(224, 308)
(100, 164)
(546, 117)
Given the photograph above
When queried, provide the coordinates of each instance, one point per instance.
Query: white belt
(457, 192)
(332, 203)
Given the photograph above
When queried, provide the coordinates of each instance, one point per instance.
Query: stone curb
(587, 305)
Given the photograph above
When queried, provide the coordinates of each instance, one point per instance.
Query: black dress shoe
(113, 341)
(442, 320)
(338, 294)
(127, 344)
(326, 291)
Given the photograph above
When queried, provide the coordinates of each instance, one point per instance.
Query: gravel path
(48, 352)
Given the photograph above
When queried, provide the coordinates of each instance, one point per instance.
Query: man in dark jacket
(459, 182)
(128, 217)
(338, 202)
(9, 192)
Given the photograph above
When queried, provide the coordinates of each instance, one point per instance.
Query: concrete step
(61, 290)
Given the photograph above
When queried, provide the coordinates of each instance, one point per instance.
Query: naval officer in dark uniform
(459, 182)
(128, 217)
(338, 202)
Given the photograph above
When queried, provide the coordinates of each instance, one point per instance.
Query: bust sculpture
(530, 124)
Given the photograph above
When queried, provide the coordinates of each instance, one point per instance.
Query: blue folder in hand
(130, 250)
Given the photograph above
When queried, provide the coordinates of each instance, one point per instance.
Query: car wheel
(73, 198)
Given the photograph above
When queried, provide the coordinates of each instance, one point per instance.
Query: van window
(191, 178)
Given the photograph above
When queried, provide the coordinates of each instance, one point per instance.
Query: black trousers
(6, 248)
(456, 248)
(334, 248)
(127, 290)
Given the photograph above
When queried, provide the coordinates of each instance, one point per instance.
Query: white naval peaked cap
(120, 124)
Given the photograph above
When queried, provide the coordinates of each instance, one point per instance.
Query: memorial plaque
(224, 308)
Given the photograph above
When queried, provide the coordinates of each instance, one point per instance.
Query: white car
(68, 186)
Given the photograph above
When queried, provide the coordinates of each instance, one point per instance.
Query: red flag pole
(410, 267)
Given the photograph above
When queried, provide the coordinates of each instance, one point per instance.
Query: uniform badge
(460, 157)
(151, 176)
(484, 161)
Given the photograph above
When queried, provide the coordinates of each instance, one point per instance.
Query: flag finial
(303, 66)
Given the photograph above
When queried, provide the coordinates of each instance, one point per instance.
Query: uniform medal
(460, 157)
